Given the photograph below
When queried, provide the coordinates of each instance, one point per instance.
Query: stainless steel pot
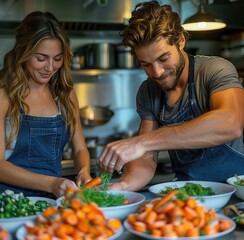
(92, 116)
(100, 55)
(125, 57)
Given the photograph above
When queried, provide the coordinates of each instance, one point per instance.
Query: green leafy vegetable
(17, 205)
(100, 197)
(239, 181)
(106, 177)
(190, 189)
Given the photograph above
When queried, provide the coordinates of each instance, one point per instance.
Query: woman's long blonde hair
(36, 27)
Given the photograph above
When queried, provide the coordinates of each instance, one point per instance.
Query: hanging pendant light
(203, 21)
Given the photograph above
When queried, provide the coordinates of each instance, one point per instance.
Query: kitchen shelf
(96, 72)
(94, 75)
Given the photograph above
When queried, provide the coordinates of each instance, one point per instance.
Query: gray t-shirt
(211, 74)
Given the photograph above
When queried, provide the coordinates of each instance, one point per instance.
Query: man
(192, 106)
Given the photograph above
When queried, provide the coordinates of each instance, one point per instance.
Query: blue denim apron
(208, 164)
(39, 148)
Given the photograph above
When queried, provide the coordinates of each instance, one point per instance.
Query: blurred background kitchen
(107, 75)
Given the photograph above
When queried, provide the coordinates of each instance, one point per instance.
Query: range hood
(75, 15)
(82, 16)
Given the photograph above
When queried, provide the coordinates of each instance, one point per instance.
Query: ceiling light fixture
(203, 21)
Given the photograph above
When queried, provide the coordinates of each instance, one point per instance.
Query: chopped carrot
(80, 214)
(187, 224)
(161, 216)
(199, 222)
(189, 213)
(131, 218)
(165, 199)
(75, 203)
(175, 212)
(180, 203)
(140, 227)
(44, 236)
(71, 219)
(65, 229)
(3, 234)
(69, 192)
(193, 232)
(94, 182)
(48, 212)
(167, 229)
(126, 201)
(97, 219)
(156, 224)
(156, 233)
(180, 230)
(77, 234)
(141, 216)
(83, 226)
(167, 207)
(191, 202)
(148, 207)
(224, 224)
(150, 217)
(114, 224)
(209, 229)
(210, 215)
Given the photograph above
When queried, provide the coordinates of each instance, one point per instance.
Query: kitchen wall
(116, 11)
(116, 89)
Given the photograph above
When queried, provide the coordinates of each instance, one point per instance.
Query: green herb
(100, 197)
(106, 177)
(239, 181)
(190, 189)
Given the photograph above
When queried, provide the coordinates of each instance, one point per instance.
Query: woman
(39, 111)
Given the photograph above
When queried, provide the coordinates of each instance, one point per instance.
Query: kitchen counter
(237, 234)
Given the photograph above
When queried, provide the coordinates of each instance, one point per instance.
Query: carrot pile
(171, 217)
(79, 221)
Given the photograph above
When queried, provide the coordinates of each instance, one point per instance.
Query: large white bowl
(223, 192)
(12, 224)
(239, 189)
(119, 212)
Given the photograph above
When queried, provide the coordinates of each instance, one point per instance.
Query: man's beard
(175, 72)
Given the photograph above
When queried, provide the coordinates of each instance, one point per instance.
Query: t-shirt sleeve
(223, 75)
(213, 74)
(148, 100)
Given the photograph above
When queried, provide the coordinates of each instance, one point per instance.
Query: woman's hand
(61, 184)
(82, 178)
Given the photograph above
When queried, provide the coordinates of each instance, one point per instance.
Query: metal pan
(92, 116)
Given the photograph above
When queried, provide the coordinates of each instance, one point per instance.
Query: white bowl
(119, 212)
(223, 192)
(239, 189)
(12, 224)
